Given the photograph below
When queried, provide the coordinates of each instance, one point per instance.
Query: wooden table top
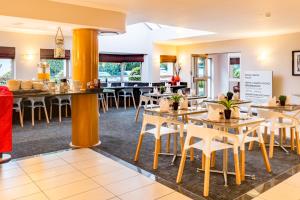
(241, 101)
(287, 108)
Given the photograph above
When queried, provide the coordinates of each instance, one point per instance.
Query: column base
(78, 147)
(5, 158)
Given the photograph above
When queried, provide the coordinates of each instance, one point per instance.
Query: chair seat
(163, 131)
(214, 146)
(276, 125)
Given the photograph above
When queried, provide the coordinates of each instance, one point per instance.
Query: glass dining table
(226, 125)
(175, 115)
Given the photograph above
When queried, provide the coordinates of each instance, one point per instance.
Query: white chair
(276, 121)
(60, 101)
(145, 102)
(110, 94)
(244, 138)
(17, 108)
(208, 144)
(35, 102)
(145, 90)
(101, 99)
(126, 93)
(158, 131)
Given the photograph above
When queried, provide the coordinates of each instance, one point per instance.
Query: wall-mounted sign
(257, 86)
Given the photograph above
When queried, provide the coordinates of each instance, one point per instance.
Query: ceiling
(229, 19)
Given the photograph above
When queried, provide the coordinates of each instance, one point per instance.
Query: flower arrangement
(178, 67)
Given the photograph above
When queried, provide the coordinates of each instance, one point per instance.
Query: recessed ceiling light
(108, 33)
(268, 14)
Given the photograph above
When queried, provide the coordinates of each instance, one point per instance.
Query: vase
(175, 105)
(282, 103)
(227, 114)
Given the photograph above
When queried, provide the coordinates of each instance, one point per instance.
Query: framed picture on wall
(296, 63)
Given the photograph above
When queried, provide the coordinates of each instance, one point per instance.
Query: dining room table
(175, 115)
(289, 108)
(230, 126)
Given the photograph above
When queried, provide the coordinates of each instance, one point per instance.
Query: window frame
(164, 77)
(66, 69)
(207, 77)
(122, 75)
(12, 67)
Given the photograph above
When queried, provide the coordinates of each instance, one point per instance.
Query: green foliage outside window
(236, 71)
(135, 74)
(56, 68)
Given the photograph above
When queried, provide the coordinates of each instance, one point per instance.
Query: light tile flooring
(81, 174)
(289, 189)
(84, 174)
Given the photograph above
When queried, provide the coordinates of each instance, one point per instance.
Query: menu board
(257, 86)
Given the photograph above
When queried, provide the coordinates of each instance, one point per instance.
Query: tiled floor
(80, 174)
(286, 190)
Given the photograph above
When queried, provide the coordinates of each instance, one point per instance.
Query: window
(119, 72)
(58, 68)
(6, 70)
(166, 71)
(202, 75)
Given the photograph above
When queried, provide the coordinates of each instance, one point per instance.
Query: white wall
(26, 44)
(265, 53)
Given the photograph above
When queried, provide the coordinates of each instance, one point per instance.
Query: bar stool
(145, 90)
(158, 131)
(60, 101)
(101, 99)
(207, 145)
(126, 93)
(17, 108)
(110, 94)
(35, 102)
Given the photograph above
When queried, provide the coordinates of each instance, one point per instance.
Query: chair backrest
(145, 90)
(273, 116)
(207, 135)
(127, 90)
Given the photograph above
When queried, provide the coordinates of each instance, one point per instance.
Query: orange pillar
(85, 58)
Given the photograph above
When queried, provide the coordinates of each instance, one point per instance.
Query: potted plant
(229, 95)
(228, 104)
(176, 99)
(162, 89)
(282, 100)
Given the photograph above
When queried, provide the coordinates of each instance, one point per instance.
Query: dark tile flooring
(119, 134)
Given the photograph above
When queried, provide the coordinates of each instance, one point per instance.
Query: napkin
(164, 105)
(179, 92)
(221, 97)
(235, 112)
(184, 103)
(288, 100)
(193, 92)
(213, 113)
(235, 97)
(155, 90)
(272, 101)
(168, 89)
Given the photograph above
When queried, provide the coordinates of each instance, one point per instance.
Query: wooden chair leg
(138, 148)
(21, 118)
(117, 105)
(32, 116)
(203, 158)
(271, 147)
(133, 100)
(46, 114)
(51, 111)
(265, 157)
(213, 159)
(251, 144)
(137, 113)
(40, 115)
(292, 139)
(206, 176)
(59, 112)
(192, 150)
(168, 143)
(156, 152)
(181, 166)
(284, 135)
(266, 134)
(243, 165)
(297, 142)
(66, 110)
(237, 169)
(181, 144)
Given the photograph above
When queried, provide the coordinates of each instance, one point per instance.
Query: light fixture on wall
(28, 56)
(59, 51)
